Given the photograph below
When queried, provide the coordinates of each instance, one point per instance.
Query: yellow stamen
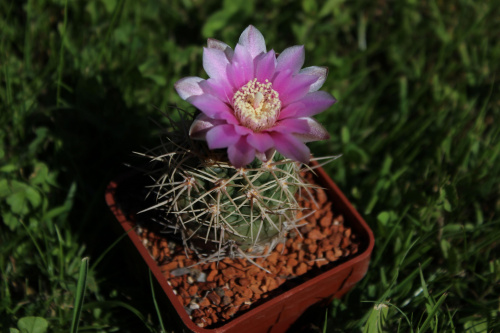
(257, 105)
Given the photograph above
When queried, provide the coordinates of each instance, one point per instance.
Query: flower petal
(265, 65)
(290, 125)
(320, 72)
(217, 44)
(260, 141)
(241, 69)
(189, 86)
(215, 63)
(253, 41)
(240, 153)
(212, 107)
(221, 136)
(313, 103)
(222, 89)
(201, 125)
(242, 130)
(296, 88)
(291, 147)
(306, 129)
(291, 58)
(281, 80)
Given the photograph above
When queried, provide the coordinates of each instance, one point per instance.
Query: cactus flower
(255, 102)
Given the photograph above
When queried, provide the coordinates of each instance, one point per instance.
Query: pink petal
(281, 80)
(306, 129)
(189, 86)
(253, 41)
(217, 44)
(220, 88)
(229, 118)
(242, 130)
(296, 88)
(215, 63)
(291, 58)
(313, 103)
(221, 136)
(320, 72)
(241, 69)
(260, 141)
(240, 153)
(201, 125)
(291, 147)
(211, 106)
(290, 125)
(265, 65)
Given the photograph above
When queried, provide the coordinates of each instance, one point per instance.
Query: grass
(418, 90)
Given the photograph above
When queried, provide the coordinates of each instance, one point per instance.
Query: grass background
(418, 90)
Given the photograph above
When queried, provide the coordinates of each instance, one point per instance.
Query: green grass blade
(377, 319)
(40, 252)
(61, 255)
(158, 312)
(60, 67)
(103, 254)
(120, 304)
(105, 44)
(80, 293)
(433, 311)
(325, 324)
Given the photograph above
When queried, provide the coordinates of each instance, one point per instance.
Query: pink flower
(254, 102)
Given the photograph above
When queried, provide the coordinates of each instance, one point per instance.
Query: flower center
(256, 105)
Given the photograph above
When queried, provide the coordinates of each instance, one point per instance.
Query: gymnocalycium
(228, 181)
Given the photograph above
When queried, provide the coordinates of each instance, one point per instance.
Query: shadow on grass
(94, 138)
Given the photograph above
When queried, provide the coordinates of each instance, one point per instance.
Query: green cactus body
(246, 206)
(221, 210)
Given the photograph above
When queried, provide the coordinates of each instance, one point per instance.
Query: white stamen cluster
(256, 105)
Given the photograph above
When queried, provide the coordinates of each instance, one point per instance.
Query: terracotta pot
(277, 314)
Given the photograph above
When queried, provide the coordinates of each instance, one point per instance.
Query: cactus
(238, 197)
(220, 210)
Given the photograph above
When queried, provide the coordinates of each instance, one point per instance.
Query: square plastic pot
(277, 314)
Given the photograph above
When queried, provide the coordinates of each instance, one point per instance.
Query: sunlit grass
(416, 124)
